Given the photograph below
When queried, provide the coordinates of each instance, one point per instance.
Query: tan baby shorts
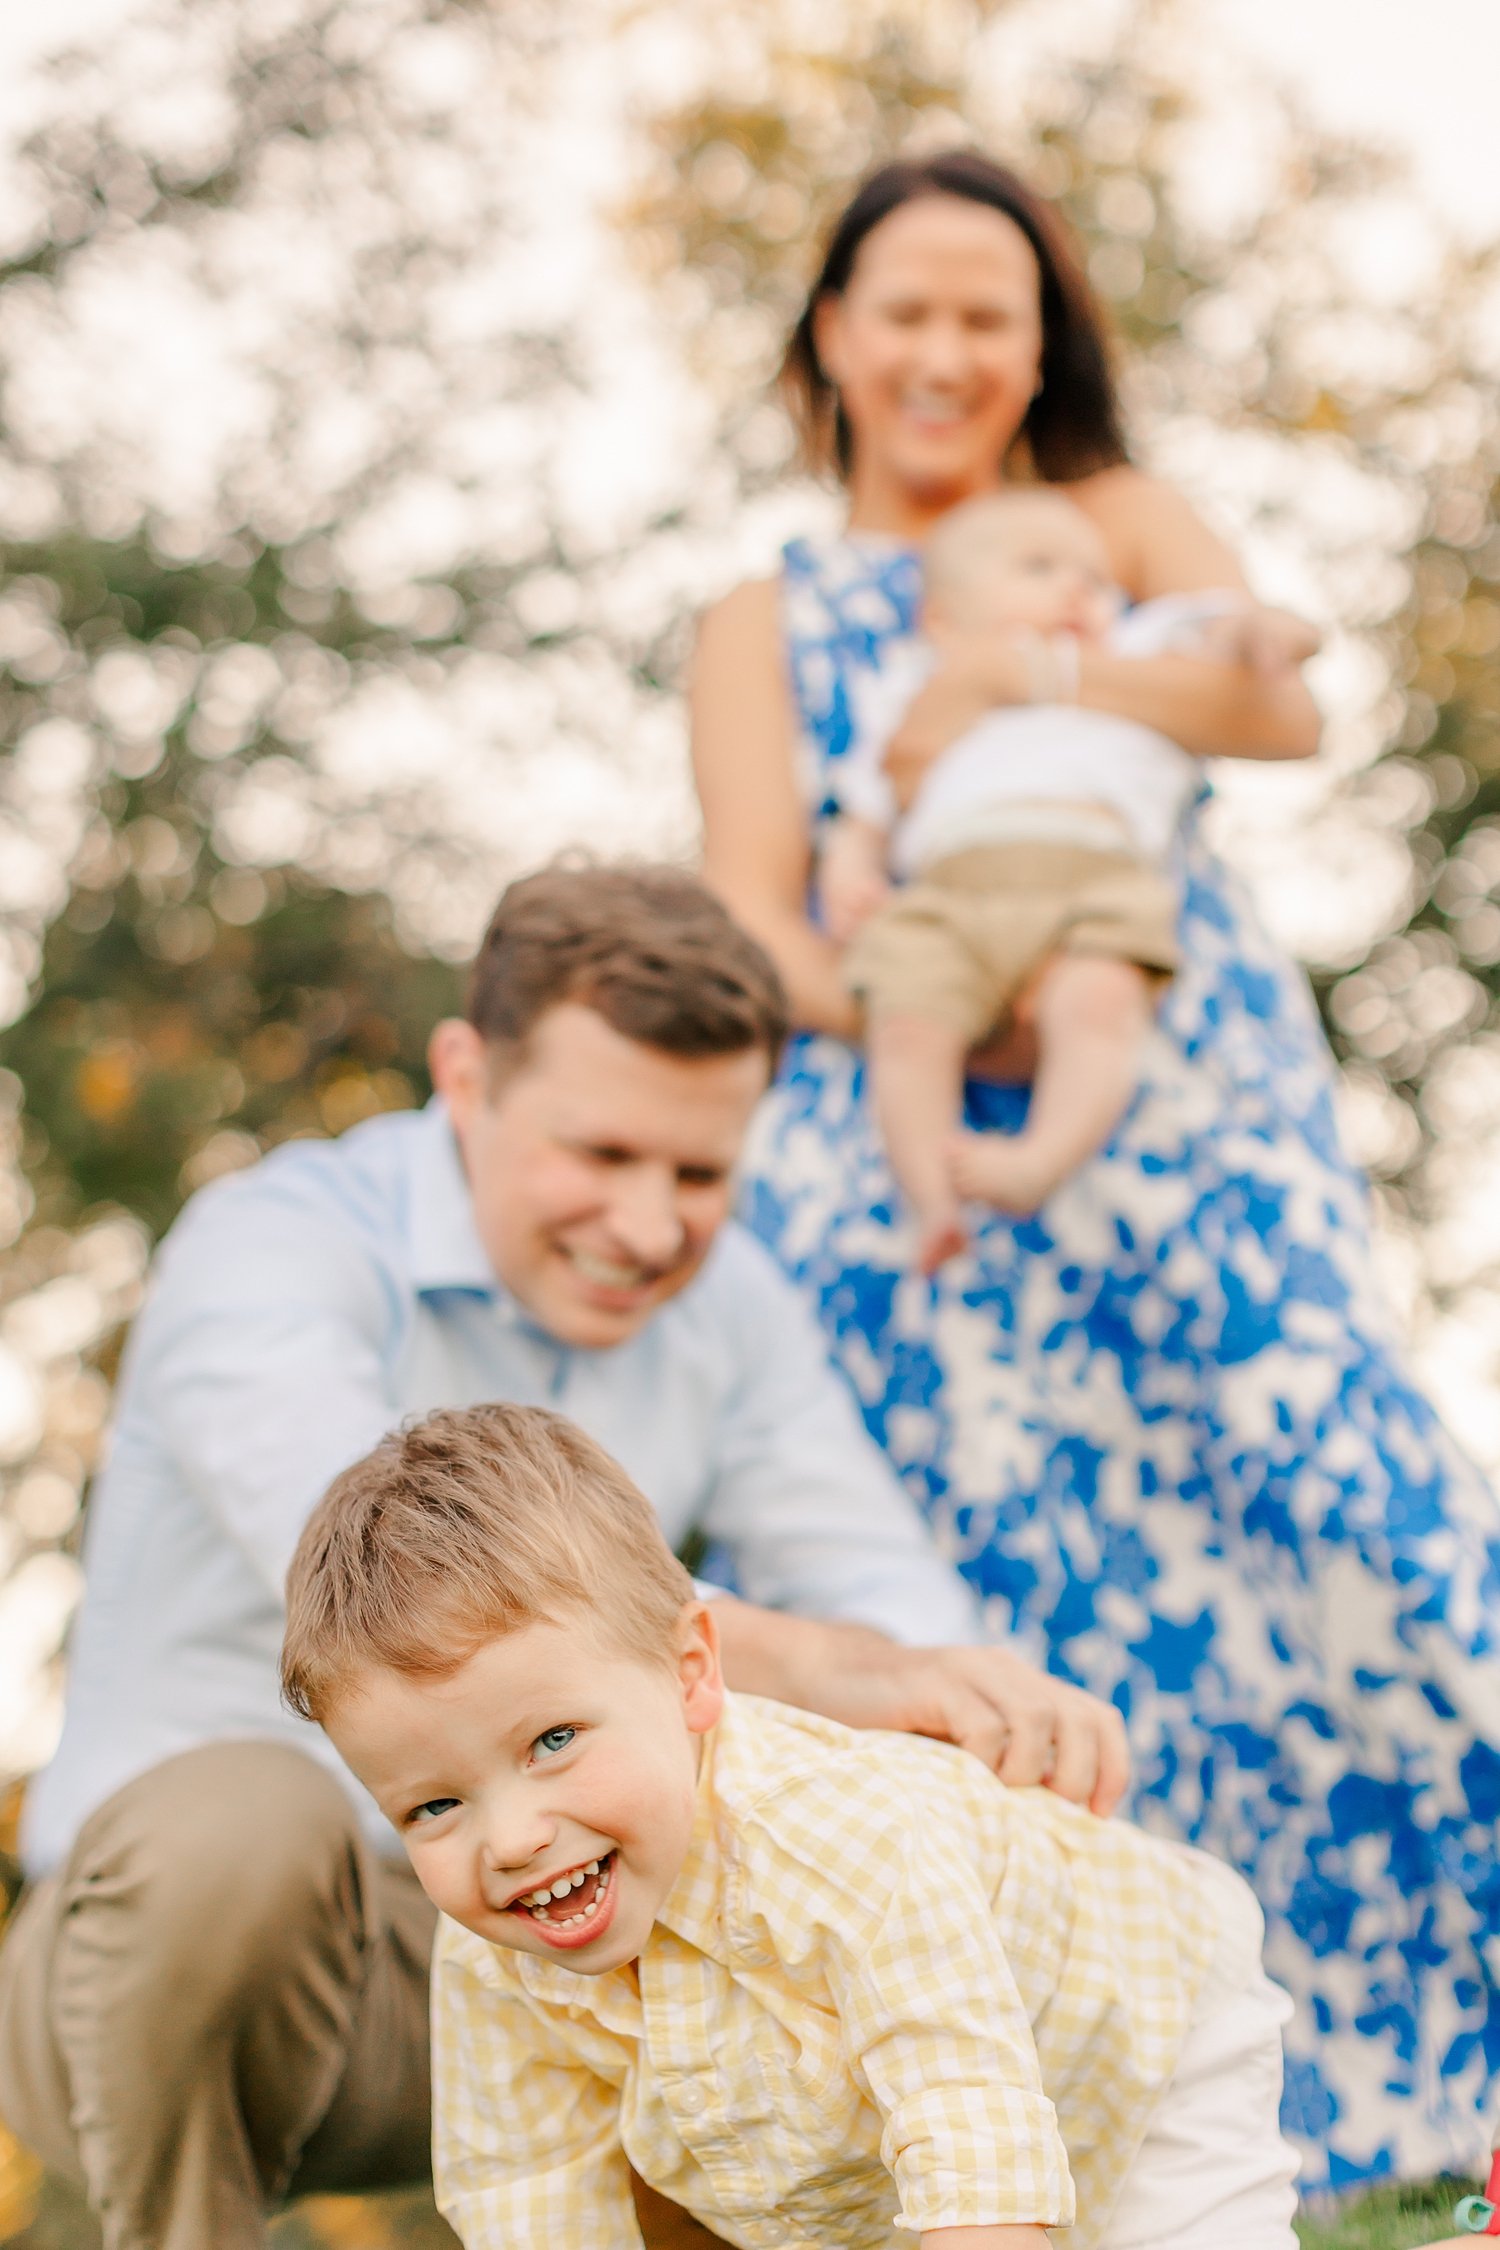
(968, 935)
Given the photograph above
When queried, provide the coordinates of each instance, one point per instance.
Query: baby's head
(485, 1618)
(1018, 560)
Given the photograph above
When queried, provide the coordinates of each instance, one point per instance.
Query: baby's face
(1049, 574)
(545, 1790)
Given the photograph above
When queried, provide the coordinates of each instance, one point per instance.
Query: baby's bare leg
(916, 1066)
(1091, 1014)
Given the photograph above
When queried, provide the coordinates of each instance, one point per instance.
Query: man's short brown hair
(460, 1528)
(650, 949)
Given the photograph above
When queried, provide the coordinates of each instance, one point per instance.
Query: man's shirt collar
(445, 1249)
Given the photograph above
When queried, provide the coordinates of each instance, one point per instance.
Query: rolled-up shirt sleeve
(937, 2032)
(932, 2024)
(811, 1511)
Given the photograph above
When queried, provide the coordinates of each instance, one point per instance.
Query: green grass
(1388, 2219)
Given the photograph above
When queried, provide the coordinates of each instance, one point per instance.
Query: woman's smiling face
(935, 349)
(544, 1790)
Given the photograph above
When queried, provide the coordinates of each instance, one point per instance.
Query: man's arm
(1022, 1723)
(819, 1525)
(261, 1365)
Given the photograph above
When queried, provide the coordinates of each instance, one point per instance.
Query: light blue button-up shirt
(300, 1310)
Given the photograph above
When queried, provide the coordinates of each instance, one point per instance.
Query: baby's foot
(941, 1234)
(1000, 1168)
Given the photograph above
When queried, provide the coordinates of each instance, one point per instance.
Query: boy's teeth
(539, 1901)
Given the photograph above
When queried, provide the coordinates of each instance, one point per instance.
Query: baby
(1033, 866)
(812, 1985)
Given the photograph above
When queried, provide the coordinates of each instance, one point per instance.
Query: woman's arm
(1214, 710)
(1211, 709)
(1158, 544)
(756, 850)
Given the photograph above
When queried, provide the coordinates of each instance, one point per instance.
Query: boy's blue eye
(555, 1739)
(434, 1808)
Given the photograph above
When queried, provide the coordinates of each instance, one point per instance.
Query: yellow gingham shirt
(885, 1991)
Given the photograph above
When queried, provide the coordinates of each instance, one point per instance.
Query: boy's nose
(516, 1839)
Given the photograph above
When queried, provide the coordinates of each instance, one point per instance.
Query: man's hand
(1026, 1726)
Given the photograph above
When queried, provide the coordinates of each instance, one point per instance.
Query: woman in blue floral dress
(1164, 1426)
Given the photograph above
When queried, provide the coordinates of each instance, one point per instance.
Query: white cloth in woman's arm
(1176, 624)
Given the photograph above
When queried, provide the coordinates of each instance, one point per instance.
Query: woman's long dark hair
(1072, 426)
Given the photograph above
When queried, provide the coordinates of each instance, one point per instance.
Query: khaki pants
(220, 2001)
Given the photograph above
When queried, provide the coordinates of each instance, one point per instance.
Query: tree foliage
(383, 382)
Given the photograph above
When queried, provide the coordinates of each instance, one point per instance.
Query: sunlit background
(382, 386)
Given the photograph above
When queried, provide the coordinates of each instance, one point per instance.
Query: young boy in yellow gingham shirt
(815, 1986)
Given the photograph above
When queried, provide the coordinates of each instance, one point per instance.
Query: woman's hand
(975, 673)
(851, 877)
(1268, 641)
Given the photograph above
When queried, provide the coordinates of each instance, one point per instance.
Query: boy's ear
(698, 1667)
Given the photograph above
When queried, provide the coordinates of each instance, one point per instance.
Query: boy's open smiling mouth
(573, 1908)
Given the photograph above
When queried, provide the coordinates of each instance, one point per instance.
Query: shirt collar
(693, 1909)
(446, 1252)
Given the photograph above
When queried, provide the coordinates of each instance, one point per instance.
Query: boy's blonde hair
(464, 1526)
(965, 538)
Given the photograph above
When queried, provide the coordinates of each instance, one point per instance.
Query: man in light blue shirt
(216, 1991)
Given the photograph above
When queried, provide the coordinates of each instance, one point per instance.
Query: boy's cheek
(428, 1867)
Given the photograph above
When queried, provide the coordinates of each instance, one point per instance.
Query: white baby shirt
(1087, 774)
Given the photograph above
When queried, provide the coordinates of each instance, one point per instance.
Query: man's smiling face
(600, 1169)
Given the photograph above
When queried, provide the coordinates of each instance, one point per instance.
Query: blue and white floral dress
(1165, 1429)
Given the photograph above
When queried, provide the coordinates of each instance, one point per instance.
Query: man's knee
(221, 1859)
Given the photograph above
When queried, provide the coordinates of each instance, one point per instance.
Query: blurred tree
(1271, 363)
(354, 484)
(380, 534)
(354, 489)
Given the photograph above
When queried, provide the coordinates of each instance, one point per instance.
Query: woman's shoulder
(1158, 542)
(747, 607)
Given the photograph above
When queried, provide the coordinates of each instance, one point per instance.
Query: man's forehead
(579, 1068)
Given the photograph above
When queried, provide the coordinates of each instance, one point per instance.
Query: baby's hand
(851, 880)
